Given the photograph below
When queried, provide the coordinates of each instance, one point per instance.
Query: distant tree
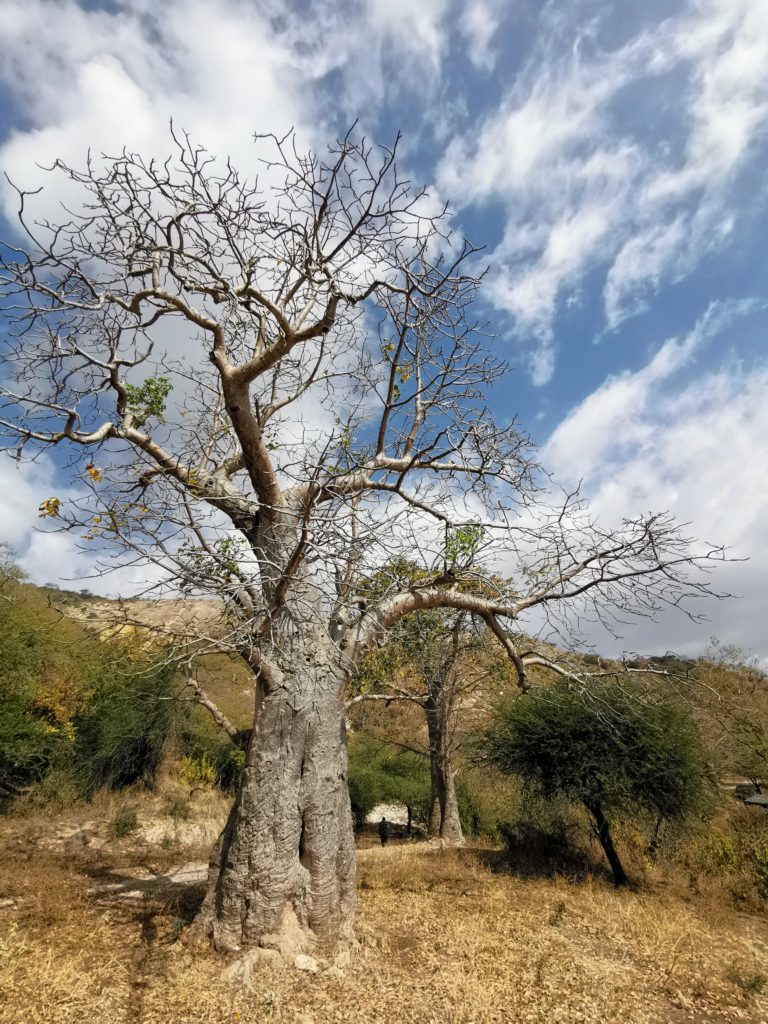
(10, 572)
(615, 749)
(435, 661)
(379, 773)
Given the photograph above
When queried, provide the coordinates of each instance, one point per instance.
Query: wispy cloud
(586, 181)
(650, 441)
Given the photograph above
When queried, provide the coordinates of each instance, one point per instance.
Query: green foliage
(28, 745)
(462, 544)
(228, 763)
(379, 773)
(197, 771)
(208, 758)
(148, 399)
(736, 853)
(199, 567)
(46, 663)
(121, 732)
(614, 746)
(487, 800)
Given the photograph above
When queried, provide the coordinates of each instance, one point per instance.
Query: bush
(121, 733)
(487, 800)
(379, 773)
(207, 759)
(28, 745)
(197, 771)
(123, 824)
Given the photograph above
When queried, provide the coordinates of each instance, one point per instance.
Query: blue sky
(610, 156)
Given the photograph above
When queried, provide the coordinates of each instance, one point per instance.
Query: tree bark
(603, 832)
(444, 818)
(288, 845)
(287, 853)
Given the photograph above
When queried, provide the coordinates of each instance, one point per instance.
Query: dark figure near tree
(383, 831)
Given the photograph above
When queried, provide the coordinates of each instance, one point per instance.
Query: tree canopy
(616, 748)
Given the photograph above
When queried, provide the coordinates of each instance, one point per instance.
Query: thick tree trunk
(444, 820)
(287, 851)
(603, 832)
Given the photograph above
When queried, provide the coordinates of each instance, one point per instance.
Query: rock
(335, 972)
(241, 971)
(305, 963)
(342, 959)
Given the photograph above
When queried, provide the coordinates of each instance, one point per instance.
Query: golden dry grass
(445, 939)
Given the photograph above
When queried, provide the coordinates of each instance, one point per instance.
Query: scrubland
(94, 916)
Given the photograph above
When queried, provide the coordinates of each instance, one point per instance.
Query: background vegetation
(85, 711)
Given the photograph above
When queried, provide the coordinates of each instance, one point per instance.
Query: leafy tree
(74, 705)
(615, 749)
(434, 661)
(173, 333)
(379, 773)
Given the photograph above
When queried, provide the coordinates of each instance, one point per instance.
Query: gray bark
(288, 843)
(444, 820)
(288, 846)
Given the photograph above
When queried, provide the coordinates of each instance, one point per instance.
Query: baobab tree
(266, 388)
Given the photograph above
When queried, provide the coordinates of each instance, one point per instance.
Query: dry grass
(445, 939)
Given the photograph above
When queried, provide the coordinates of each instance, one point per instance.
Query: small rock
(305, 963)
(7, 904)
(342, 959)
(241, 971)
(335, 972)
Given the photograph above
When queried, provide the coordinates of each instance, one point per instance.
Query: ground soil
(96, 928)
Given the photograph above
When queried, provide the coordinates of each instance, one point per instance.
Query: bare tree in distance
(265, 391)
(424, 663)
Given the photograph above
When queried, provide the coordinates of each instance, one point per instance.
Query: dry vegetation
(92, 929)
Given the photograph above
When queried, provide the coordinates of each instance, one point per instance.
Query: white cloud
(478, 24)
(56, 556)
(98, 80)
(585, 182)
(643, 442)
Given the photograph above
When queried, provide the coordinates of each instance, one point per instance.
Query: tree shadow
(179, 891)
(532, 853)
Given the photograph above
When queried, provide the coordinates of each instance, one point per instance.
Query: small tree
(432, 660)
(614, 748)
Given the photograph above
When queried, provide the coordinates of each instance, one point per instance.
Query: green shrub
(379, 773)
(487, 800)
(121, 733)
(755, 853)
(28, 745)
(618, 750)
(123, 824)
(229, 761)
(197, 771)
